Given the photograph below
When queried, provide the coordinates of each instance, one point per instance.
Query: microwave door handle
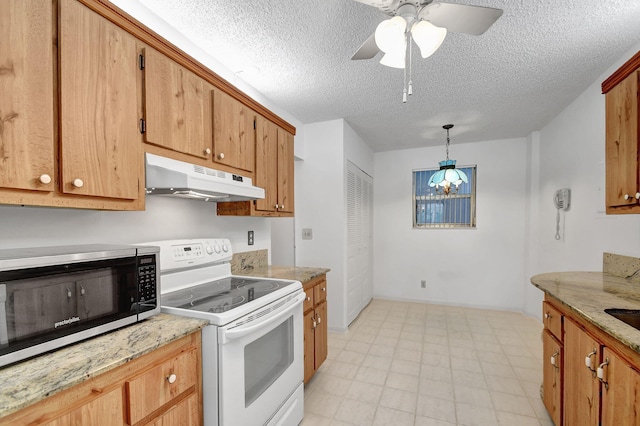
(4, 332)
(242, 331)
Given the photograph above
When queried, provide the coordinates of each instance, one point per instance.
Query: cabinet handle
(323, 289)
(82, 291)
(68, 293)
(171, 378)
(313, 320)
(44, 178)
(282, 207)
(221, 155)
(308, 299)
(276, 206)
(587, 359)
(601, 373)
(554, 359)
(548, 315)
(207, 151)
(78, 183)
(318, 318)
(637, 195)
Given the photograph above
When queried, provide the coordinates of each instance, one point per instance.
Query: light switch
(307, 234)
(250, 238)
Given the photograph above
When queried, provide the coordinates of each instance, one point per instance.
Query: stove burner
(224, 307)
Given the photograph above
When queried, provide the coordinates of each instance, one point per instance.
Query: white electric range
(252, 351)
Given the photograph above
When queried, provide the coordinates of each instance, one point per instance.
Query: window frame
(434, 197)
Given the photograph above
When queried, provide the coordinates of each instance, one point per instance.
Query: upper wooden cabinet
(623, 138)
(177, 106)
(274, 172)
(234, 135)
(100, 147)
(27, 134)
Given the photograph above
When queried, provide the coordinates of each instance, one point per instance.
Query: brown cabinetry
(234, 135)
(27, 134)
(161, 388)
(177, 107)
(588, 377)
(315, 325)
(92, 158)
(553, 356)
(274, 172)
(622, 98)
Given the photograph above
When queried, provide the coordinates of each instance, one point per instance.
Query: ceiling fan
(426, 21)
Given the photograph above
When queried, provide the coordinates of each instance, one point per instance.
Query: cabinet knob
(221, 155)
(547, 315)
(308, 299)
(207, 151)
(554, 359)
(44, 178)
(276, 206)
(318, 318)
(171, 378)
(323, 289)
(637, 195)
(78, 183)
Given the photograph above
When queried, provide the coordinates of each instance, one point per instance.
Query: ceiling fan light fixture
(390, 35)
(393, 60)
(428, 37)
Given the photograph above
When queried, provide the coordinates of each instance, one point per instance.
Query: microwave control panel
(147, 278)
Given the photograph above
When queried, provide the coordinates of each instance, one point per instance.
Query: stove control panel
(177, 254)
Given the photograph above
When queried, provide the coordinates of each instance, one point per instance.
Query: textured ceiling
(506, 83)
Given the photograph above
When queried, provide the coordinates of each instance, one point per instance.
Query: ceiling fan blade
(387, 6)
(368, 50)
(460, 18)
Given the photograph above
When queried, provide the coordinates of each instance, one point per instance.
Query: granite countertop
(30, 381)
(302, 274)
(589, 293)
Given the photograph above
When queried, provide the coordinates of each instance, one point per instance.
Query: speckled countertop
(301, 274)
(30, 381)
(589, 293)
(255, 264)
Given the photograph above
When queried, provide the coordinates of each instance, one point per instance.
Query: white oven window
(266, 358)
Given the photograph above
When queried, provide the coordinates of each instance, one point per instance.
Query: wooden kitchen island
(591, 370)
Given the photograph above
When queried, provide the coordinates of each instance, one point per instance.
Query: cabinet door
(552, 376)
(621, 398)
(103, 410)
(309, 345)
(233, 132)
(177, 107)
(285, 171)
(185, 413)
(581, 387)
(266, 173)
(100, 146)
(321, 334)
(622, 142)
(26, 104)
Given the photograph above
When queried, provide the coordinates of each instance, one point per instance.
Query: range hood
(174, 178)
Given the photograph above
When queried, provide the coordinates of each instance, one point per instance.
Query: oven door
(261, 365)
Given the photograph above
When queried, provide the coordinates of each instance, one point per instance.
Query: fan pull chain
(404, 83)
(410, 64)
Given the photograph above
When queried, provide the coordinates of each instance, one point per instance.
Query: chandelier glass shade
(448, 178)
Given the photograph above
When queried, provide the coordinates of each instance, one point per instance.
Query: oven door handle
(243, 330)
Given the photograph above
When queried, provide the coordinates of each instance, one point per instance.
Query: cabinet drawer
(308, 302)
(320, 292)
(151, 390)
(552, 320)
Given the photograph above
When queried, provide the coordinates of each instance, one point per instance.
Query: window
(431, 210)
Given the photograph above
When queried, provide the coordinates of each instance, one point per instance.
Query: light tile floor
(405, 363)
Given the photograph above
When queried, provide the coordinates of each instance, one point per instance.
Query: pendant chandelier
(448, 178)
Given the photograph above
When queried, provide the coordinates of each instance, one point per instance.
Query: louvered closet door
(359, 240)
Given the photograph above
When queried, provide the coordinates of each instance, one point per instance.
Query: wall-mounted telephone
(562, 199)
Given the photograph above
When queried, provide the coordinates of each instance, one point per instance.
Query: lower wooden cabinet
(589, 378)
(315, 325)
(552, 376)
(161, 388)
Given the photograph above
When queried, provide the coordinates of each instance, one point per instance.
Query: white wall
(480, 267)
(572, 155)
(164, 218)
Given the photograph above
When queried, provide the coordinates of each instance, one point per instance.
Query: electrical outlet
(307, 234)
(423, 283)
(250, 238)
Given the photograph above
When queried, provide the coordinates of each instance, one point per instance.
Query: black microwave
(54, 296)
